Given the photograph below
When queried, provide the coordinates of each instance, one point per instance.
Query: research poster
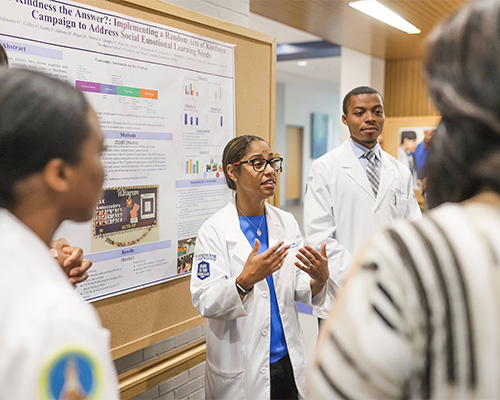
(165, 101)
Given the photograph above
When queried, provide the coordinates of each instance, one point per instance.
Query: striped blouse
(420, 315)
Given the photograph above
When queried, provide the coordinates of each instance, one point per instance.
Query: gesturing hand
(259, 267)
(315, 265)
(71, 260)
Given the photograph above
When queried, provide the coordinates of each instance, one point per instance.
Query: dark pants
(282, 380)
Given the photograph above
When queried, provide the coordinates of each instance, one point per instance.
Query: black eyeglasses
(260, 164)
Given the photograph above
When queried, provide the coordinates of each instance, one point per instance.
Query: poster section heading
(83, 22)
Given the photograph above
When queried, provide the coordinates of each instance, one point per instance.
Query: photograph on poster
(412, 150)
(125, 216)
(185, 251)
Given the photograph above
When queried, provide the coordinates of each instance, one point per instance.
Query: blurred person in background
(406, 154)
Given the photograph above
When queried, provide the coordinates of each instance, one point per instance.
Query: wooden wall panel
(405, 90)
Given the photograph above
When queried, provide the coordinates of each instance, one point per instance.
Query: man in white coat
(356, 189)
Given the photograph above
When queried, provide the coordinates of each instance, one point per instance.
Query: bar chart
(189, 118)
(192, 166)
(191, 88)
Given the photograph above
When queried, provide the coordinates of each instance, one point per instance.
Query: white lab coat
(238, 332)
(408, 161)
(341, 209)
(42, 321)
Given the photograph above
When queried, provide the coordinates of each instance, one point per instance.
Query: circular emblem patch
(71, 375)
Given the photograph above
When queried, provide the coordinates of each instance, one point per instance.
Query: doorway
(293, 181)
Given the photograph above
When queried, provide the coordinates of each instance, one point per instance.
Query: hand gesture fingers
(75, 256)
(79, 274)
(258, 267)
(323, 250)
(71, 260)
(276, 255)
(306, 256)
(314, 263)
(255, 249)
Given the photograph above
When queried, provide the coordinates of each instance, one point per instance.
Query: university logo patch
(203, 270)
(71, 374)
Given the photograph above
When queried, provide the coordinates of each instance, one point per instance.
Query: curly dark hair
(462, 70)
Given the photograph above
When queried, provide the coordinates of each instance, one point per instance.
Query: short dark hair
(234, 151)
(410, 135)
(357, 91)
(41, 118)
(4, 60)
(462, 68)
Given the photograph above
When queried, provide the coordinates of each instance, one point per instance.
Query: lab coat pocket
(398, 202)
(224, 385)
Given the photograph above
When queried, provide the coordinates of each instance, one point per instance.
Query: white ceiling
(323, 72)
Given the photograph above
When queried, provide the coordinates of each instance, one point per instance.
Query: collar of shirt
(360, 151)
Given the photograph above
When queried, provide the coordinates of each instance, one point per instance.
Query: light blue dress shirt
(360, 151)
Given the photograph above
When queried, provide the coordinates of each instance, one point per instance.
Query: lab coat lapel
(275, 231)
(388, 174)
(235, 235)
(350, 164)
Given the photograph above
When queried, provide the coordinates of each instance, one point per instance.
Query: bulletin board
(392, 126)
(147, 316)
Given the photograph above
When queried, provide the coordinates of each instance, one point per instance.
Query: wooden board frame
(147, 316)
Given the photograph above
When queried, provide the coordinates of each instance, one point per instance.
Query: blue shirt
(360, 153)
(420, 156)
(278, 343)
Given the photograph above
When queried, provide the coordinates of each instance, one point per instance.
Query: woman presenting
(247, 274)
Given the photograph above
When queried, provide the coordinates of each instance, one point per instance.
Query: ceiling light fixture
(302, 63)
(376, 10)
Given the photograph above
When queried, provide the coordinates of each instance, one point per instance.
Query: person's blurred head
(409, 140)
(363, 109)
(51, 144)
(427, 136)
(462, 70)
(4, 60)
(250, 167)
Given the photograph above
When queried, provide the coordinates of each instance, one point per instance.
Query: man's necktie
(411, 161)
(371, 172)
